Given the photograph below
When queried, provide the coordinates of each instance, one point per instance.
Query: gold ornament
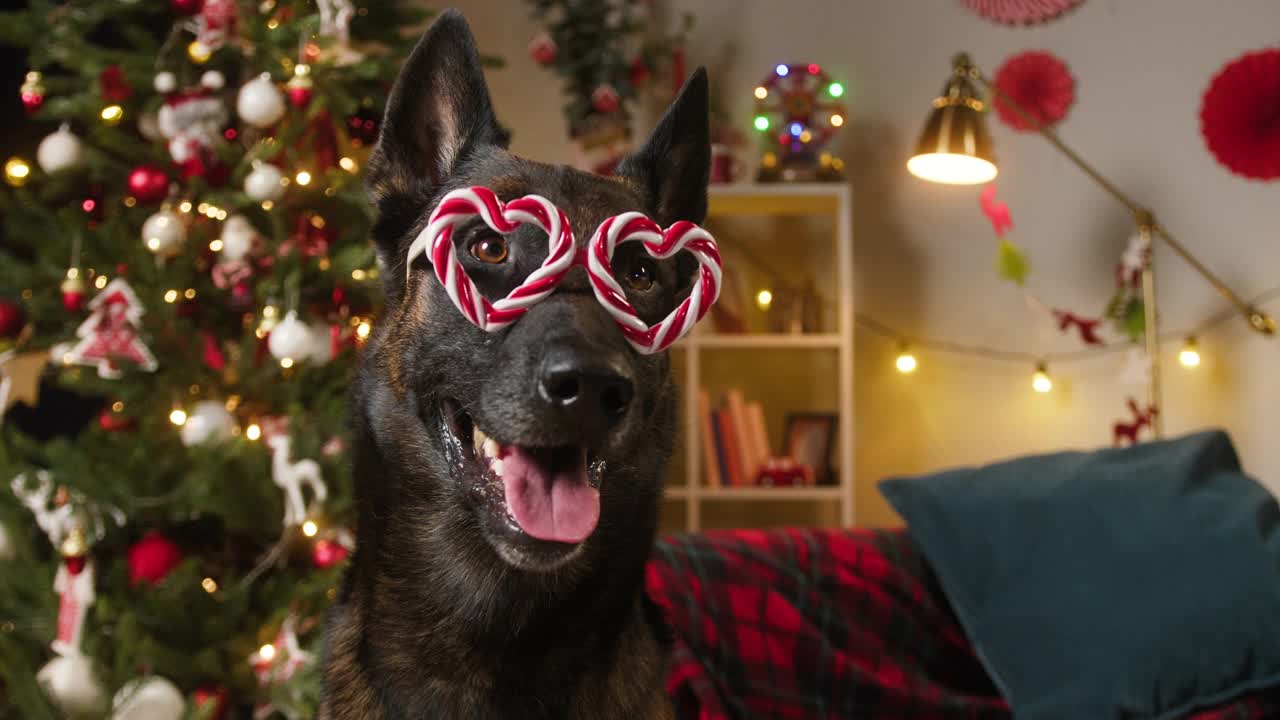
(75, 544)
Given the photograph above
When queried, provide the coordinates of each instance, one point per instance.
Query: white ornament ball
(165, 82)
(213, 80)
(61, 150)
(164, 234)
(260, 103)
(149, 127)
(238, 235)
(209, 421)
(264, 182)
(149, 698)
(321, 343)
(69, 682)
(290, 338)
(6, 544)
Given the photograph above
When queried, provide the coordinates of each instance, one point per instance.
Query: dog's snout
(594, 389)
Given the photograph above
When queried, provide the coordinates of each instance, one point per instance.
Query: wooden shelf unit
(833, 200)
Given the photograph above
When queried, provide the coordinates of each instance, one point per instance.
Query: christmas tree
(186, 251)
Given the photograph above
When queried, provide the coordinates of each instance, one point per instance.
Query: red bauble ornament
(152, 558)
(113, 86)
(13, 318)
(542, 49)
(339, 296)
(148, 183)
(328, 553)
(73, 294)
(299, 96)
(111, 421)
(210, 701)
(76, 564)
(186, 7)
(363, 126)
(32, 92)
(1040, 83)
(605, 98)
(1238, 115)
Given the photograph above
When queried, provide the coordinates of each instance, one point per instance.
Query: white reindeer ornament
(290, 476)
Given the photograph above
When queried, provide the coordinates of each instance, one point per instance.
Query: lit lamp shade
(955, 147)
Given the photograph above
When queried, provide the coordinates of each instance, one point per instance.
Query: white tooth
(478, 438)
(496, 466)
(490, 448)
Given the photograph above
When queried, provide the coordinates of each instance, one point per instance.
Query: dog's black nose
(595, 390)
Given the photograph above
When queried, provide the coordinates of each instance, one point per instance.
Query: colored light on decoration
(112, 114)
(302, 178)
(171, 296)
(100, 281)
(835, 89)
(89, 205)
(309, 528)
(782, 70)
(216, 245)
(906, 361)
(267, 652)
(286, 363)
(189, 293)
(814, 69)
(363, 329)
(210, 585)
(837, 120)
(253, 432)
(178, 417)
(764, 299)
(16, 171)
(348, 164)
(762, 123)
(1189, 356)
(806, 136)
(199, 52)
(359, 274)
(762, 92)
(1040, 381)
(796, 129)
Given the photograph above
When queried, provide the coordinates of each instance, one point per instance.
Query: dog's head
(543, 443)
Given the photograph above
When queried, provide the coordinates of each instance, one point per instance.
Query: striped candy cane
(659, 243)
(462, 204)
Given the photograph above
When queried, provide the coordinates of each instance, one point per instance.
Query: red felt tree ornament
(1238, 115)
(152, 558)
(1020, 12)
(1040, 84)
(113, 86)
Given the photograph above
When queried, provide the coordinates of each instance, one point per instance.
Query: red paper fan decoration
(1038, 82)
(1240, 115)
(1020, 12)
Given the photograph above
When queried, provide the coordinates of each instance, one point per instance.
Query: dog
(466, 598)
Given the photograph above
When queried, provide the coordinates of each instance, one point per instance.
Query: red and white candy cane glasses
(562, 255)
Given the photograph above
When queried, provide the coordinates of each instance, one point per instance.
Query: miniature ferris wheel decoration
(798, 110)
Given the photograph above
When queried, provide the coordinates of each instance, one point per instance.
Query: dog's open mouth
(547, 493)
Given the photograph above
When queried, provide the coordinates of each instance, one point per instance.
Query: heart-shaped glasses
(562, 255)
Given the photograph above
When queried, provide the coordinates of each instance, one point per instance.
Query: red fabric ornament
(111, 421)
(148, 183)
(1239, 114)
(543, 49)
(1020, 12)
(13, 318)
(210, 701)
(1123, 433)
(186, 7)
(327, 553)
(339, 296)
(152, 558)
(605, 98)
(212, 355)
(113, 86)
(1040, 83)
(1088, 327)
(995, 210)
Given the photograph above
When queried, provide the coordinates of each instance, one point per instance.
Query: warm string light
(764, 299)
(112, 114)
(210, 585)
(1189, 356)
(267, 652)
(309, 528)
(16, 171)
(253, 432)
(178, 417)
(1040, 380)
(906, 361)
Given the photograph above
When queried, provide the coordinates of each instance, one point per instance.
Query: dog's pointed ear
(674, 164)
(438, 111)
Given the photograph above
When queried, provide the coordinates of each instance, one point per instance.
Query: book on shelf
(710, 445)
(735, 442)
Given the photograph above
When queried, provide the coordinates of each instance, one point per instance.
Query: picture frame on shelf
(808, 438)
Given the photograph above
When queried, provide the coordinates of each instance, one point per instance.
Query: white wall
(924, 252)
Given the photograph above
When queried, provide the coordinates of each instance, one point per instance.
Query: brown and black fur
(432, 622)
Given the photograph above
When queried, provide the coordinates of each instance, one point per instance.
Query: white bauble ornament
(6, 544)
(165, 82)
(213, 80)
(61, 150)
(149, 127)
(290, 338)
(149, 698)
(209, 421)
(264, 182)
(238, 235)
(260, 103)
(321, 343)
(69, 682)
(164, 234)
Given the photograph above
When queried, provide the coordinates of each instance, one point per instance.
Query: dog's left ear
(438, 111)
(674, 165)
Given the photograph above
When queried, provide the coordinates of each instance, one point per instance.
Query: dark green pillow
(1123, 583)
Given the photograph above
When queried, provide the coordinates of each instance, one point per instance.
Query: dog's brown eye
(491, 249)
(640, 276)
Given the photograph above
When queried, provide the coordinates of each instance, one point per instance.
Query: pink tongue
(549, 502)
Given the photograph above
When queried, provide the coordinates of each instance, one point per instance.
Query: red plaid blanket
(825, 624)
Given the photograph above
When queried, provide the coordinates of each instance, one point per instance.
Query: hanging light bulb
(1040, 381)
(906, 362)
(764, 298)
(1189, 356)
